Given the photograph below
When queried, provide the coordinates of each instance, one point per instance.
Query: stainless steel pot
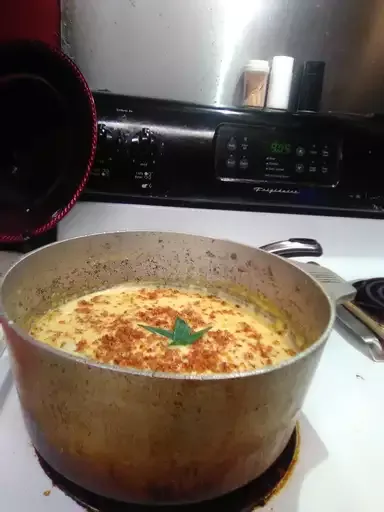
(149, 437)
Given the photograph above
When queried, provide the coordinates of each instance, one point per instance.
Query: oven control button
(232, 144)
(244, 144)
(325, 152)
(244, 164)
(312, 168)
(324, 169)
(231, 162)
(300, 151)
(105, 134)
(300, 168)
(121, 143)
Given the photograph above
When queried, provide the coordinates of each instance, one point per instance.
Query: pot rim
(158, 374)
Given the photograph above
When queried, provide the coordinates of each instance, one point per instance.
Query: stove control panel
(126, 158)
(166, 152)
(276, 156)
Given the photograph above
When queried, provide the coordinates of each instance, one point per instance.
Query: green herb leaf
(181, 330)
(158, 330)
(182, 334)
(191, 338)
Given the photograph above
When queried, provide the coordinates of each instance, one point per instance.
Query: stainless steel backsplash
(194, 50)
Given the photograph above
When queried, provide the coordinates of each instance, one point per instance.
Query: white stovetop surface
(341, 455)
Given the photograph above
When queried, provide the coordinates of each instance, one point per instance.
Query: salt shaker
(280, 83)
(255, 83)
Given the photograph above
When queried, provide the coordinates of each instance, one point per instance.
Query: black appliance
(163, 152)
(48, 138)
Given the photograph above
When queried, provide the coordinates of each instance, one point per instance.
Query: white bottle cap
(280, 82)
(257, 65)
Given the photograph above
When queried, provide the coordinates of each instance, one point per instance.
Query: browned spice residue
(105, 327)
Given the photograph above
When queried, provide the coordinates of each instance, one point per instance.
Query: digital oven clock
(276, 155)
(281, 148)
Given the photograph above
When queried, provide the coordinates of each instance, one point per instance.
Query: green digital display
(281, 148)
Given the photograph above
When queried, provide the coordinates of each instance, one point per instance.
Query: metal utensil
(5, 370)
(361, 331)
(2, 342)
(374, 326)
(7, 259)
(369, 332)
(334, 283)
(294, 247)
(350, 316)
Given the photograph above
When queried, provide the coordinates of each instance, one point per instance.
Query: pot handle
(294, 247)
(338, 289)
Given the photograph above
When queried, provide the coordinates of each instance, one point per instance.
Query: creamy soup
(155, 328)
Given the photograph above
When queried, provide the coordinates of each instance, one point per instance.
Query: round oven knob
(143, 148)
(105, 135)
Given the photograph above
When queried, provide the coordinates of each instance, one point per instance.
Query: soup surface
(125, 326)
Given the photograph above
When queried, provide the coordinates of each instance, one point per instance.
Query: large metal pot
(148, 437)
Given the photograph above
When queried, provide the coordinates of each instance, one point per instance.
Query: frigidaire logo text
(276, 190)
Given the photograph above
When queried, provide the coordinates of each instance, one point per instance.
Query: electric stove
(333, 464)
